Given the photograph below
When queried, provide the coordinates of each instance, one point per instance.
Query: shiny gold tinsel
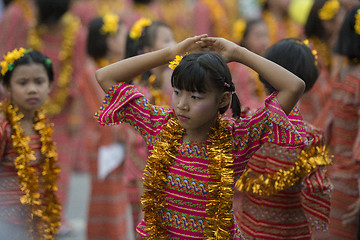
(271, 184)
(55, 105)
(39, 195)
(155, 178)
(219, 215)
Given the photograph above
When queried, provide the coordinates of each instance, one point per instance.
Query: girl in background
(285, 189)
(196, 155)
(108, 204)
(322, 28)
(29, 208)
(276, 15)
(59, 34)
(253, 35)
(342, 130)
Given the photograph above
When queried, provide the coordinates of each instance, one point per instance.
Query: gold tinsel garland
(54, 105)
(271, 184)
(272, 24)
(219, 214)
(39, 195)
(28, 13)
(219, 18)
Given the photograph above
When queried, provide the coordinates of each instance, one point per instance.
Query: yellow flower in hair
(136, 30)
(175, 63)
(329, 10)
(239, 29)
(10, 58)
(357, 22)
(314, 52)
(111, 24)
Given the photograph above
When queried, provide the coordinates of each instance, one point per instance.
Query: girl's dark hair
(31, 56)
(296, 57)
(50, 11)
(348, 43)
(96, 46)
(198, 71)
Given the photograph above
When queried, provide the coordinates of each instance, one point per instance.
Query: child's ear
(225, 99)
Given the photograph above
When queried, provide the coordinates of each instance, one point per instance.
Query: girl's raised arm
(289, 86)
(127, 69)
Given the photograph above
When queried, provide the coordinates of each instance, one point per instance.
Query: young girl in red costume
(195, 154)
(29, 208)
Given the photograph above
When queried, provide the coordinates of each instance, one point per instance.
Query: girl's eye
(40, 80)
(22, 83)
(195, 97)
(176, 92)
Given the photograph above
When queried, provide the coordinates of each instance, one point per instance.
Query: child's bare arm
(127, 69)
(289, 86)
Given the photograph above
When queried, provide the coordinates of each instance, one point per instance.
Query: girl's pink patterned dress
(188, 179)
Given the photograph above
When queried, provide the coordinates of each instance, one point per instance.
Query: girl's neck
(195, 138)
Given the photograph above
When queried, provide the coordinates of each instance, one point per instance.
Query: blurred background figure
(341, 124)
(254, 35)
(109, 213)
(322, 28)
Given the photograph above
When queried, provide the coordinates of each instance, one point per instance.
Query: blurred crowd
(81, 36)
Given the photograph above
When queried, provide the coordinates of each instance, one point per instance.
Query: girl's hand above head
(221, 46)
(189, 45)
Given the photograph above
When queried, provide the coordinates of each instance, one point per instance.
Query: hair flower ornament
(111, 24)
(175, 63)
(313, 51)
(10, 58)
(329, 10)
(136, 30)
(357, 22)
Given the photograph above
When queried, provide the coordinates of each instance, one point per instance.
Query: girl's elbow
(299, 86)
(98, 76)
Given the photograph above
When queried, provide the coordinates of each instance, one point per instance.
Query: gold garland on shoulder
(219, 215)
(219, 18)
(55, 105)
(39, 195)
(273, 183)
(28, 13)
(273, 26)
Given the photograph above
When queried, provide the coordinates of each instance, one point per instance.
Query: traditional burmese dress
(14, 216)
(343, 133)
(108, 202)
(188, 178)
(292, 213)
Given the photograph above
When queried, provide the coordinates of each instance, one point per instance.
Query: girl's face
(197, 112)
(333, 25)
(116, 44)
(257, 39)
(29, 87)
(164, 38)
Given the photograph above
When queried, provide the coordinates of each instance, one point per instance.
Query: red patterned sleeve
(315, 198)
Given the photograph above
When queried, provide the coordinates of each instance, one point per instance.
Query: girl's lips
(183, 118)
(32, 100)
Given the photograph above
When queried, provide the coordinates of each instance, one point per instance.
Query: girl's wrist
(238, 54)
